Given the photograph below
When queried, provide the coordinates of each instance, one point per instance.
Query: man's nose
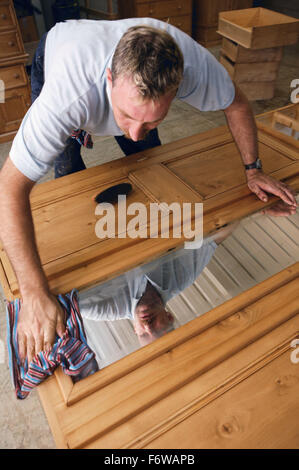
(150, 330)
(137, 132)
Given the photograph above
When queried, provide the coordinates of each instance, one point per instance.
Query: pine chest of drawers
(176, 12)
(14, 82)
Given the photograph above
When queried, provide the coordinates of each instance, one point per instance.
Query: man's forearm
(17, 235)
(243, 128)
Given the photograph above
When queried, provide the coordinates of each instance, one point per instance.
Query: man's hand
(279, 209)
(40, 314)
(40, 318)
(260, 184)
(242, 124)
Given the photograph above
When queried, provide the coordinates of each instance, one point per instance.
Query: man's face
(134, 115)
(151, 320)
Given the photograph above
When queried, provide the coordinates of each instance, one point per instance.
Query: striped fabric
(71, 351)
(83, 138)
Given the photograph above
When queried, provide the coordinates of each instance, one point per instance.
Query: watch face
(258, 164)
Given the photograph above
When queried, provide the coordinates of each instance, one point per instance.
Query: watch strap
(255, 165)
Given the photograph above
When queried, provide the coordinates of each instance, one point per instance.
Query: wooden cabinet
(14, 80)
(176, 12)
(6, 15)
(205, 18)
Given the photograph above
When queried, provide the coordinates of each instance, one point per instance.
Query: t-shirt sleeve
(97, 305)
(206, 84)
(41, 138)
(60, 108)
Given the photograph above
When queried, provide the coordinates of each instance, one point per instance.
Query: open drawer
(258, 28)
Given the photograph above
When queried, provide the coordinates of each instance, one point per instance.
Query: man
(106, 82)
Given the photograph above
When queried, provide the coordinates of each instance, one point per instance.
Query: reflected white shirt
(117, 299)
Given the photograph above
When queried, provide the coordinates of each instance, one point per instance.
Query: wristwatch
(255, 165)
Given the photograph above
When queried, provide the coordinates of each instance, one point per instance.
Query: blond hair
(151, 58)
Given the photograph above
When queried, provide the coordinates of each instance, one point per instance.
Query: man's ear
(170, 317)
(109, 76)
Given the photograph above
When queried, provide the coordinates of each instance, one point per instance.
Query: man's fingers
(47, 346)
(286, 195)
(30, 348)
(60, 326)
(39, 344)
(280, 209)
(49, 338)
(22, 347)
(261, 184)
(276, 212)
(292, 197)
(283, 192)
(282, 212)
(260, 194)
(40, 317)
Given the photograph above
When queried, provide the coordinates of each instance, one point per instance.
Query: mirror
(139, 306)
(167, 293)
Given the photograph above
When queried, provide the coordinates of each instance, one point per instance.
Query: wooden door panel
(225, 371)
(162, 185)
(75, 218)
(219, 170)
(234, 360)
(205, 168)
(244, 417)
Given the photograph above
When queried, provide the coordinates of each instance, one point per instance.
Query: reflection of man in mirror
(141, 295)
(151, 319)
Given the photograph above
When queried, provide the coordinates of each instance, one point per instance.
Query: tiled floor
(23, 423)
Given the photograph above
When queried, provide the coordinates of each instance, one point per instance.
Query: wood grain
(258, 333)
(205, 167)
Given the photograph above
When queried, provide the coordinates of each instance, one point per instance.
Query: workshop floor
(23, 423)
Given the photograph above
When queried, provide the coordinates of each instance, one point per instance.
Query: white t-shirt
(75, 94)
(117, 299)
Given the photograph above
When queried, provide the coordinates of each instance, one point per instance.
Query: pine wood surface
(189, 373)
(206, 167)
(261, 412)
